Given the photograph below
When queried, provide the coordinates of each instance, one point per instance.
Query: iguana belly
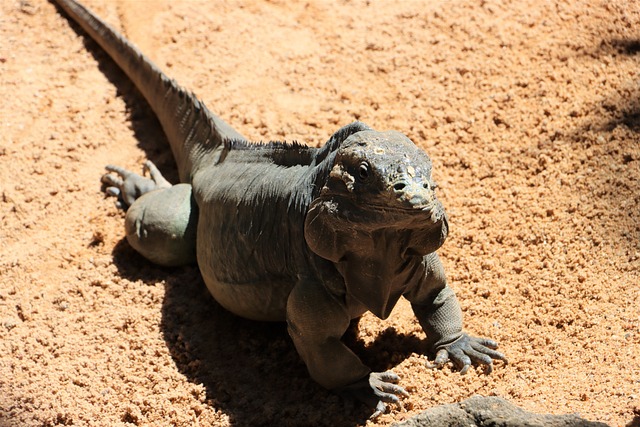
(263, 301)
(250, 239)
(244, 274)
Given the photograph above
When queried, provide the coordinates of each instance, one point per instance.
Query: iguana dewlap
(311, 236)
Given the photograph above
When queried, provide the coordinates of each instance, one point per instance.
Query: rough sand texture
(530, 111)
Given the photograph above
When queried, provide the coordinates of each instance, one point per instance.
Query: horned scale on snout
(313, 236)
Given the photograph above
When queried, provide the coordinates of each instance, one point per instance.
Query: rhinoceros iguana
(315, 237)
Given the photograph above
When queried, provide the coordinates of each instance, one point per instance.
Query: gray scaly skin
(315, 237)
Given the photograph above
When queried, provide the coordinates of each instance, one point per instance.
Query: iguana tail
(190, 127)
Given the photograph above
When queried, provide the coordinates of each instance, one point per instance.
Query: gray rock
(481, 411)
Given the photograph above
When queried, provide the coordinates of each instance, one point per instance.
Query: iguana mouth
(417, 210)
(424, 208)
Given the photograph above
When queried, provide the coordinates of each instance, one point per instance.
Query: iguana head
(383, 170)
(375, 214)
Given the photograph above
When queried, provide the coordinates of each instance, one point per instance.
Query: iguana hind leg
(128, 186)
(161, 221)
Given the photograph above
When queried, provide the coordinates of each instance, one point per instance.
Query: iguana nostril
(399, 186)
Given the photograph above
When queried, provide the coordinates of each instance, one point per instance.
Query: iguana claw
(466, 350)
(128, 186)
(376, 390)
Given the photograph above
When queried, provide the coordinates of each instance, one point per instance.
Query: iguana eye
(363, 170)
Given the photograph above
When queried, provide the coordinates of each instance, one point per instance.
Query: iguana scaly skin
(283, 232)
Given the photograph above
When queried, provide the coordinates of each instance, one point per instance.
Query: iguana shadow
(250, 370)
(618, 111)
(635, 422)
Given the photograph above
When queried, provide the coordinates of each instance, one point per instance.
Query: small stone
(10, 324)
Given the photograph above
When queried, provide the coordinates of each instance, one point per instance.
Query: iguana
(315, 237)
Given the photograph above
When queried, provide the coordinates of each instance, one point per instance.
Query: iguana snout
(416, 193)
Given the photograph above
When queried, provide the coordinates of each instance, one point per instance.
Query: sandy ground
(529, 110)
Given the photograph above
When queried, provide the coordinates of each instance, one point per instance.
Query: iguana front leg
(317, 321)
(437, 309)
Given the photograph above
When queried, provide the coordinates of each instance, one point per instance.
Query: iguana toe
(128, 186)
(467, 350)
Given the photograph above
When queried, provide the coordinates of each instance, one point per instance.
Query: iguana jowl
(313, 236)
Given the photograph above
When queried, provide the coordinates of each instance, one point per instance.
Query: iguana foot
(376, 390)
(128, 186)
(465, 350)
